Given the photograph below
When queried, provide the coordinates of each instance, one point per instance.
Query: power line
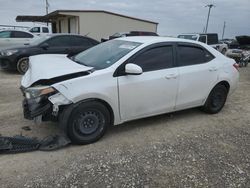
(209, 9)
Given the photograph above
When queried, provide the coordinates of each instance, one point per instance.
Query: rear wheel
(23, 65)
(88, 122)
(216, 99)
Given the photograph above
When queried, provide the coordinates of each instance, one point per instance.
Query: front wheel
(216, 99)
(87, 122)
(23, 65)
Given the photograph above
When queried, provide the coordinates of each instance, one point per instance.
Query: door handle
(213, 69)
(169, 76)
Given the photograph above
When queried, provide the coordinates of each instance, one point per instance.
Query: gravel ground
(183, 149)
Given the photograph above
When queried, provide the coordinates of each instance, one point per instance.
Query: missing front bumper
(32, 109)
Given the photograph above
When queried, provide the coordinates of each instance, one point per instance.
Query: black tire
(22, 65)
(87, 122)
(216, 100)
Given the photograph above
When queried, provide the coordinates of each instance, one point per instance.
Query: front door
(154, 91)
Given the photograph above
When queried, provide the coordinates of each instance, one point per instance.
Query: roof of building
(53, 15)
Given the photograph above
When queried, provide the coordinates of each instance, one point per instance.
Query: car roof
(16, 30)
(155, 39)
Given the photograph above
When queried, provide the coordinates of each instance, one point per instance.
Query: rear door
(198, 73)
(20, 38)
(154, 91)
(78, 44)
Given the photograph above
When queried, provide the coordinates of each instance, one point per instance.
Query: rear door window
(155, 58)
(79, 41)
(20, 34)
(192, 55)
(59, 41)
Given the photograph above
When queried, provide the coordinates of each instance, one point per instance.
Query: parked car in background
(40, 30)
(10, 38)
(126, 79)
(207, 38)
(129, 34)
(18, 58)
(227, 41)
(239, 49)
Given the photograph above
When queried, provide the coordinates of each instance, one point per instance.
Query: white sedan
(14, 38)
(125, 79)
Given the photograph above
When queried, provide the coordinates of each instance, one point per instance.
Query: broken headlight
(35, 92)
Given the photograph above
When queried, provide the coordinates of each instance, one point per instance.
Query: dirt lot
(184, 149)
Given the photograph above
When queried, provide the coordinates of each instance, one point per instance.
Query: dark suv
(18, 58)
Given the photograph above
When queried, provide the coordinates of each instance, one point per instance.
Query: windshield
(105, 54)
(40, 40)
(190, 37)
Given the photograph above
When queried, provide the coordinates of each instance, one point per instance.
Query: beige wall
(64, 24)
(98, 25)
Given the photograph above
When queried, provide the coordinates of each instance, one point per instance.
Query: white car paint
(40, 65)
(10, 42)
(136, 96)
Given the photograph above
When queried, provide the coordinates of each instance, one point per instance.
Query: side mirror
(44, 46)
(133, 69)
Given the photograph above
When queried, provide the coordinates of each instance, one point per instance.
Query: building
(93, 23)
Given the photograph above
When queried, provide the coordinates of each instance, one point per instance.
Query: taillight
(236, 66)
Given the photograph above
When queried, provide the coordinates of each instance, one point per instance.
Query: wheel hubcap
(24, 65)
(88, 122)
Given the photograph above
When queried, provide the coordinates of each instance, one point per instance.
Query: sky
(174, 16)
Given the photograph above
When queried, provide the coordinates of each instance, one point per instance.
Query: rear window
(212, 39)
(45, 30)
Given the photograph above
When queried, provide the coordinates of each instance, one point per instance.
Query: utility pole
(224, 27)
(209, 9)
(47, 9)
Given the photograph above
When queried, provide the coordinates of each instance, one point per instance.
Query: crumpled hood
(44, 67)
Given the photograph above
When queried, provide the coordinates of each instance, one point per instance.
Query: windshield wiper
(79, 62)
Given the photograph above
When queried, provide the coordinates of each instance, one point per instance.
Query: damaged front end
(41, 103)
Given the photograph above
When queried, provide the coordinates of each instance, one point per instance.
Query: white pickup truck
(207, 38)
(40, 30)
